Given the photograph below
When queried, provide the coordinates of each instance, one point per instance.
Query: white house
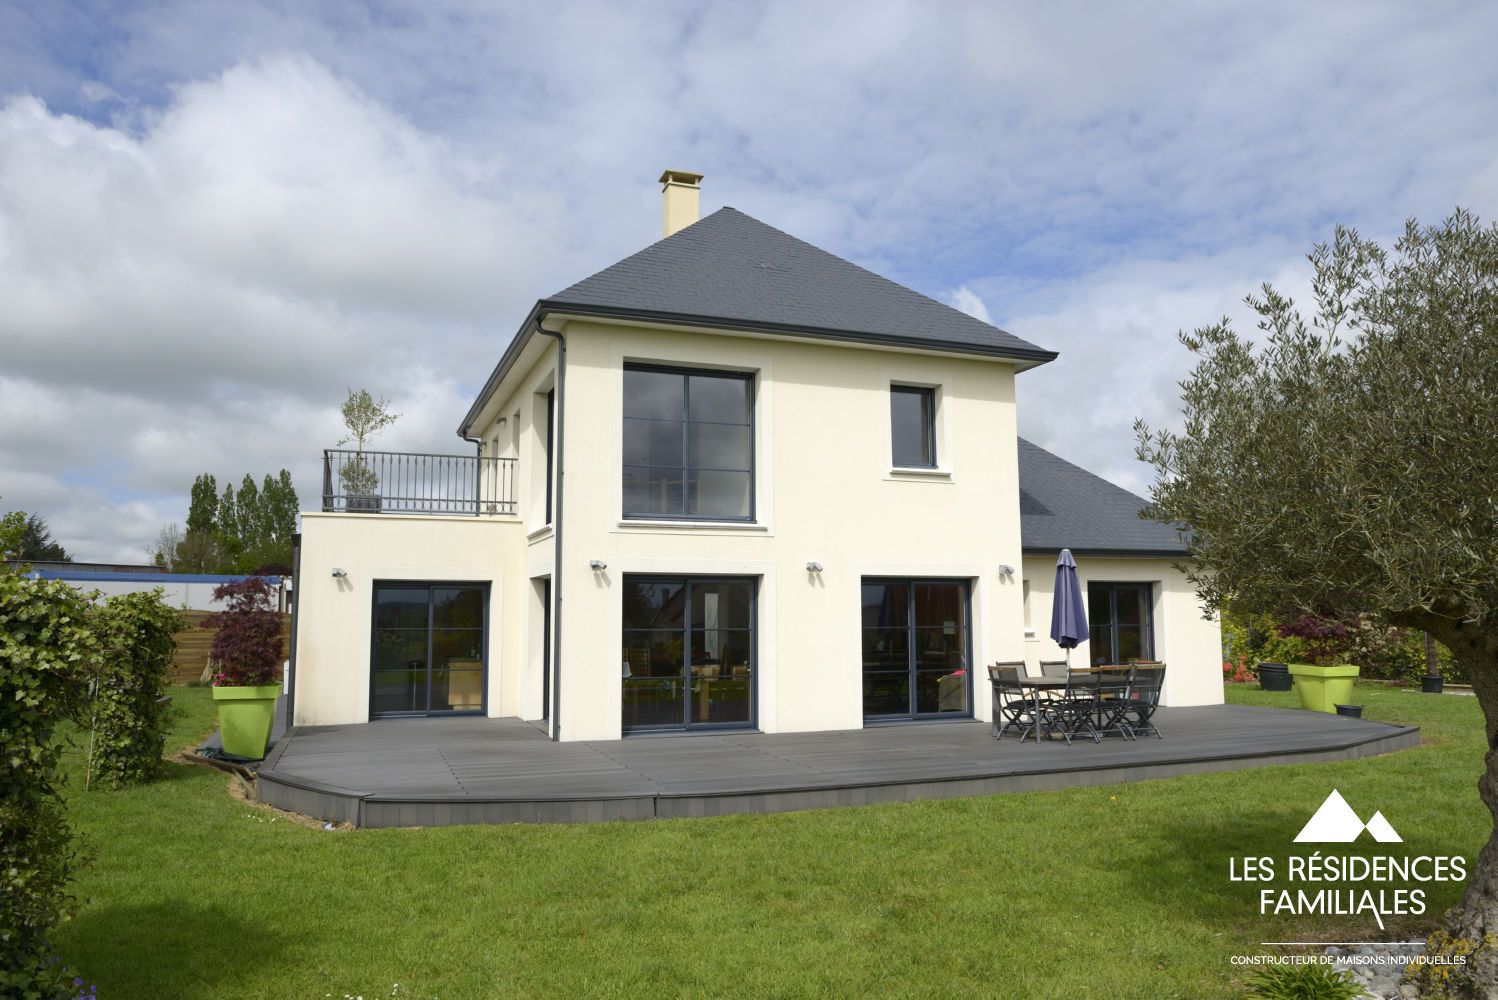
(729, 481)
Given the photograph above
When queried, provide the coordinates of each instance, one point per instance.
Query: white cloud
(964, 299)
(216, 217)
(198, 297)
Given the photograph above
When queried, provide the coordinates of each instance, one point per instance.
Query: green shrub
(1303, 982)
(45, 643)
(1382, 652)
(128, 680)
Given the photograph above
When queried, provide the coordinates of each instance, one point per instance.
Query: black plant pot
(1355, 711)
(1432, 685)
(1275, 677)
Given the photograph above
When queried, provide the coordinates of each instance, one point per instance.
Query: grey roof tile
(732, 267)
(1063, 506)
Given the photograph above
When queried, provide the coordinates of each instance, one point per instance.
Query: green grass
(1119, 891)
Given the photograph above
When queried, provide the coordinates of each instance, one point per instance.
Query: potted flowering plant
(246, 651)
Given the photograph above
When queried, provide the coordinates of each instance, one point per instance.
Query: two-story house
(730, 481)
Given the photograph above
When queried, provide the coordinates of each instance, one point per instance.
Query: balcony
(394, 482)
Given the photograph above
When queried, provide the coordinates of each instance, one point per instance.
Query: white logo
(1336, 823)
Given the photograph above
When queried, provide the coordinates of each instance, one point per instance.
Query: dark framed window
(1120, 618)
(688, 444)
(551, 419)
(917, 646)
(427, 656)
(912, 420)
(688, 652)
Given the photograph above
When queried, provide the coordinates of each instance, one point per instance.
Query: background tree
(12, 530)
(163, 551)
(1350, 465)
(201, 552)
(37, 545)
(202, 511)
(256, 523)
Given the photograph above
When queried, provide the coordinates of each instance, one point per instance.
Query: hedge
(127, 684)
(45, 642)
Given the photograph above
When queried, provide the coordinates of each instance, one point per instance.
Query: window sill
(539, 534)
(642, 524)
(918, 473)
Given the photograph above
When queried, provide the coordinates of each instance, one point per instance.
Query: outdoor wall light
(1006, 570)
(813, 567)
(339, 574)
(597, 564)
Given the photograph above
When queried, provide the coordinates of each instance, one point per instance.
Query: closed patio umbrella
(1068, 613)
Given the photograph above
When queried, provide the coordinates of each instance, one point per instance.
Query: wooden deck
(432, 772)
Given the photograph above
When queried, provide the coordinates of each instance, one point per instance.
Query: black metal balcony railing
(393, 482)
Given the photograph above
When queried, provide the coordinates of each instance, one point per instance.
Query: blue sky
(215, 217)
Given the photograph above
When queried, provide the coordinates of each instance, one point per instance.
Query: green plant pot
(245, 715)
(1322, 689)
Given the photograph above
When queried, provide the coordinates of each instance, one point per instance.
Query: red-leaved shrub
(247, 648)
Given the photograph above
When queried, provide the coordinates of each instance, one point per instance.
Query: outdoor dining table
(1076, 681)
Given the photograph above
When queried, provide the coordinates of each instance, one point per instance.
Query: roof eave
(1024, 358)
(1152, 553)
(1033, 355)
(506, 361)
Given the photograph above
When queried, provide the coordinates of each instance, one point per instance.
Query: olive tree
(364, 416)
(1348, 462)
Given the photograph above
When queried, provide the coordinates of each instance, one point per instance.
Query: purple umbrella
(1068, 613)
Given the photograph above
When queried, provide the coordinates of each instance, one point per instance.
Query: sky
(216, 218)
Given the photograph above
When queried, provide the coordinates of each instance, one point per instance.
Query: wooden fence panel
(194, 641)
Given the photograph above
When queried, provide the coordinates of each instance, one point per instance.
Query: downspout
(296, 603)
(478, 473)
(558, 444)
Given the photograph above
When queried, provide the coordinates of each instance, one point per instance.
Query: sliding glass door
(916, 649)
(688, 659)
(427, 653)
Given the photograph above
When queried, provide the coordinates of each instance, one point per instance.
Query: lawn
(1118, 891)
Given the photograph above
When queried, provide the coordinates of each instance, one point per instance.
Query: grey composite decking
(433, 772)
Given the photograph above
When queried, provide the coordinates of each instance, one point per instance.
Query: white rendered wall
(334, 615)
(1190, 645)
(825, 493)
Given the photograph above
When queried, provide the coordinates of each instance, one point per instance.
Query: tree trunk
(1470, 928)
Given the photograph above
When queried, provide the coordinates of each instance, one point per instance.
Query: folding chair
(1012, 707)
(1144, 696)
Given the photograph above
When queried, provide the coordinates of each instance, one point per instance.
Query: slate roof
(732, 271)
(1063, 506)
(729, 266)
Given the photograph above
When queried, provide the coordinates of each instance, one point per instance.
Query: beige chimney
(680, 199)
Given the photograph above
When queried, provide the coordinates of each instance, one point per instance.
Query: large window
(427, 656)
(688, 652)
(1120, 617)
(912, 419)
(916, 648)
(688, 444)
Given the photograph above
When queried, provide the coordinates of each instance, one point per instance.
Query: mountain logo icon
(1336, 823)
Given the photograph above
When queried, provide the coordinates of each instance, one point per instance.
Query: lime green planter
(245, 715)
(1322, 689)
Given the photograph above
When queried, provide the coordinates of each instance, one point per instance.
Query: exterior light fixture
(1006, 570)
(339, 574)
(813, 567)
(597, 564)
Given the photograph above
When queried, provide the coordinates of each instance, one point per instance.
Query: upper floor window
(912, 414)
(688, 444)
